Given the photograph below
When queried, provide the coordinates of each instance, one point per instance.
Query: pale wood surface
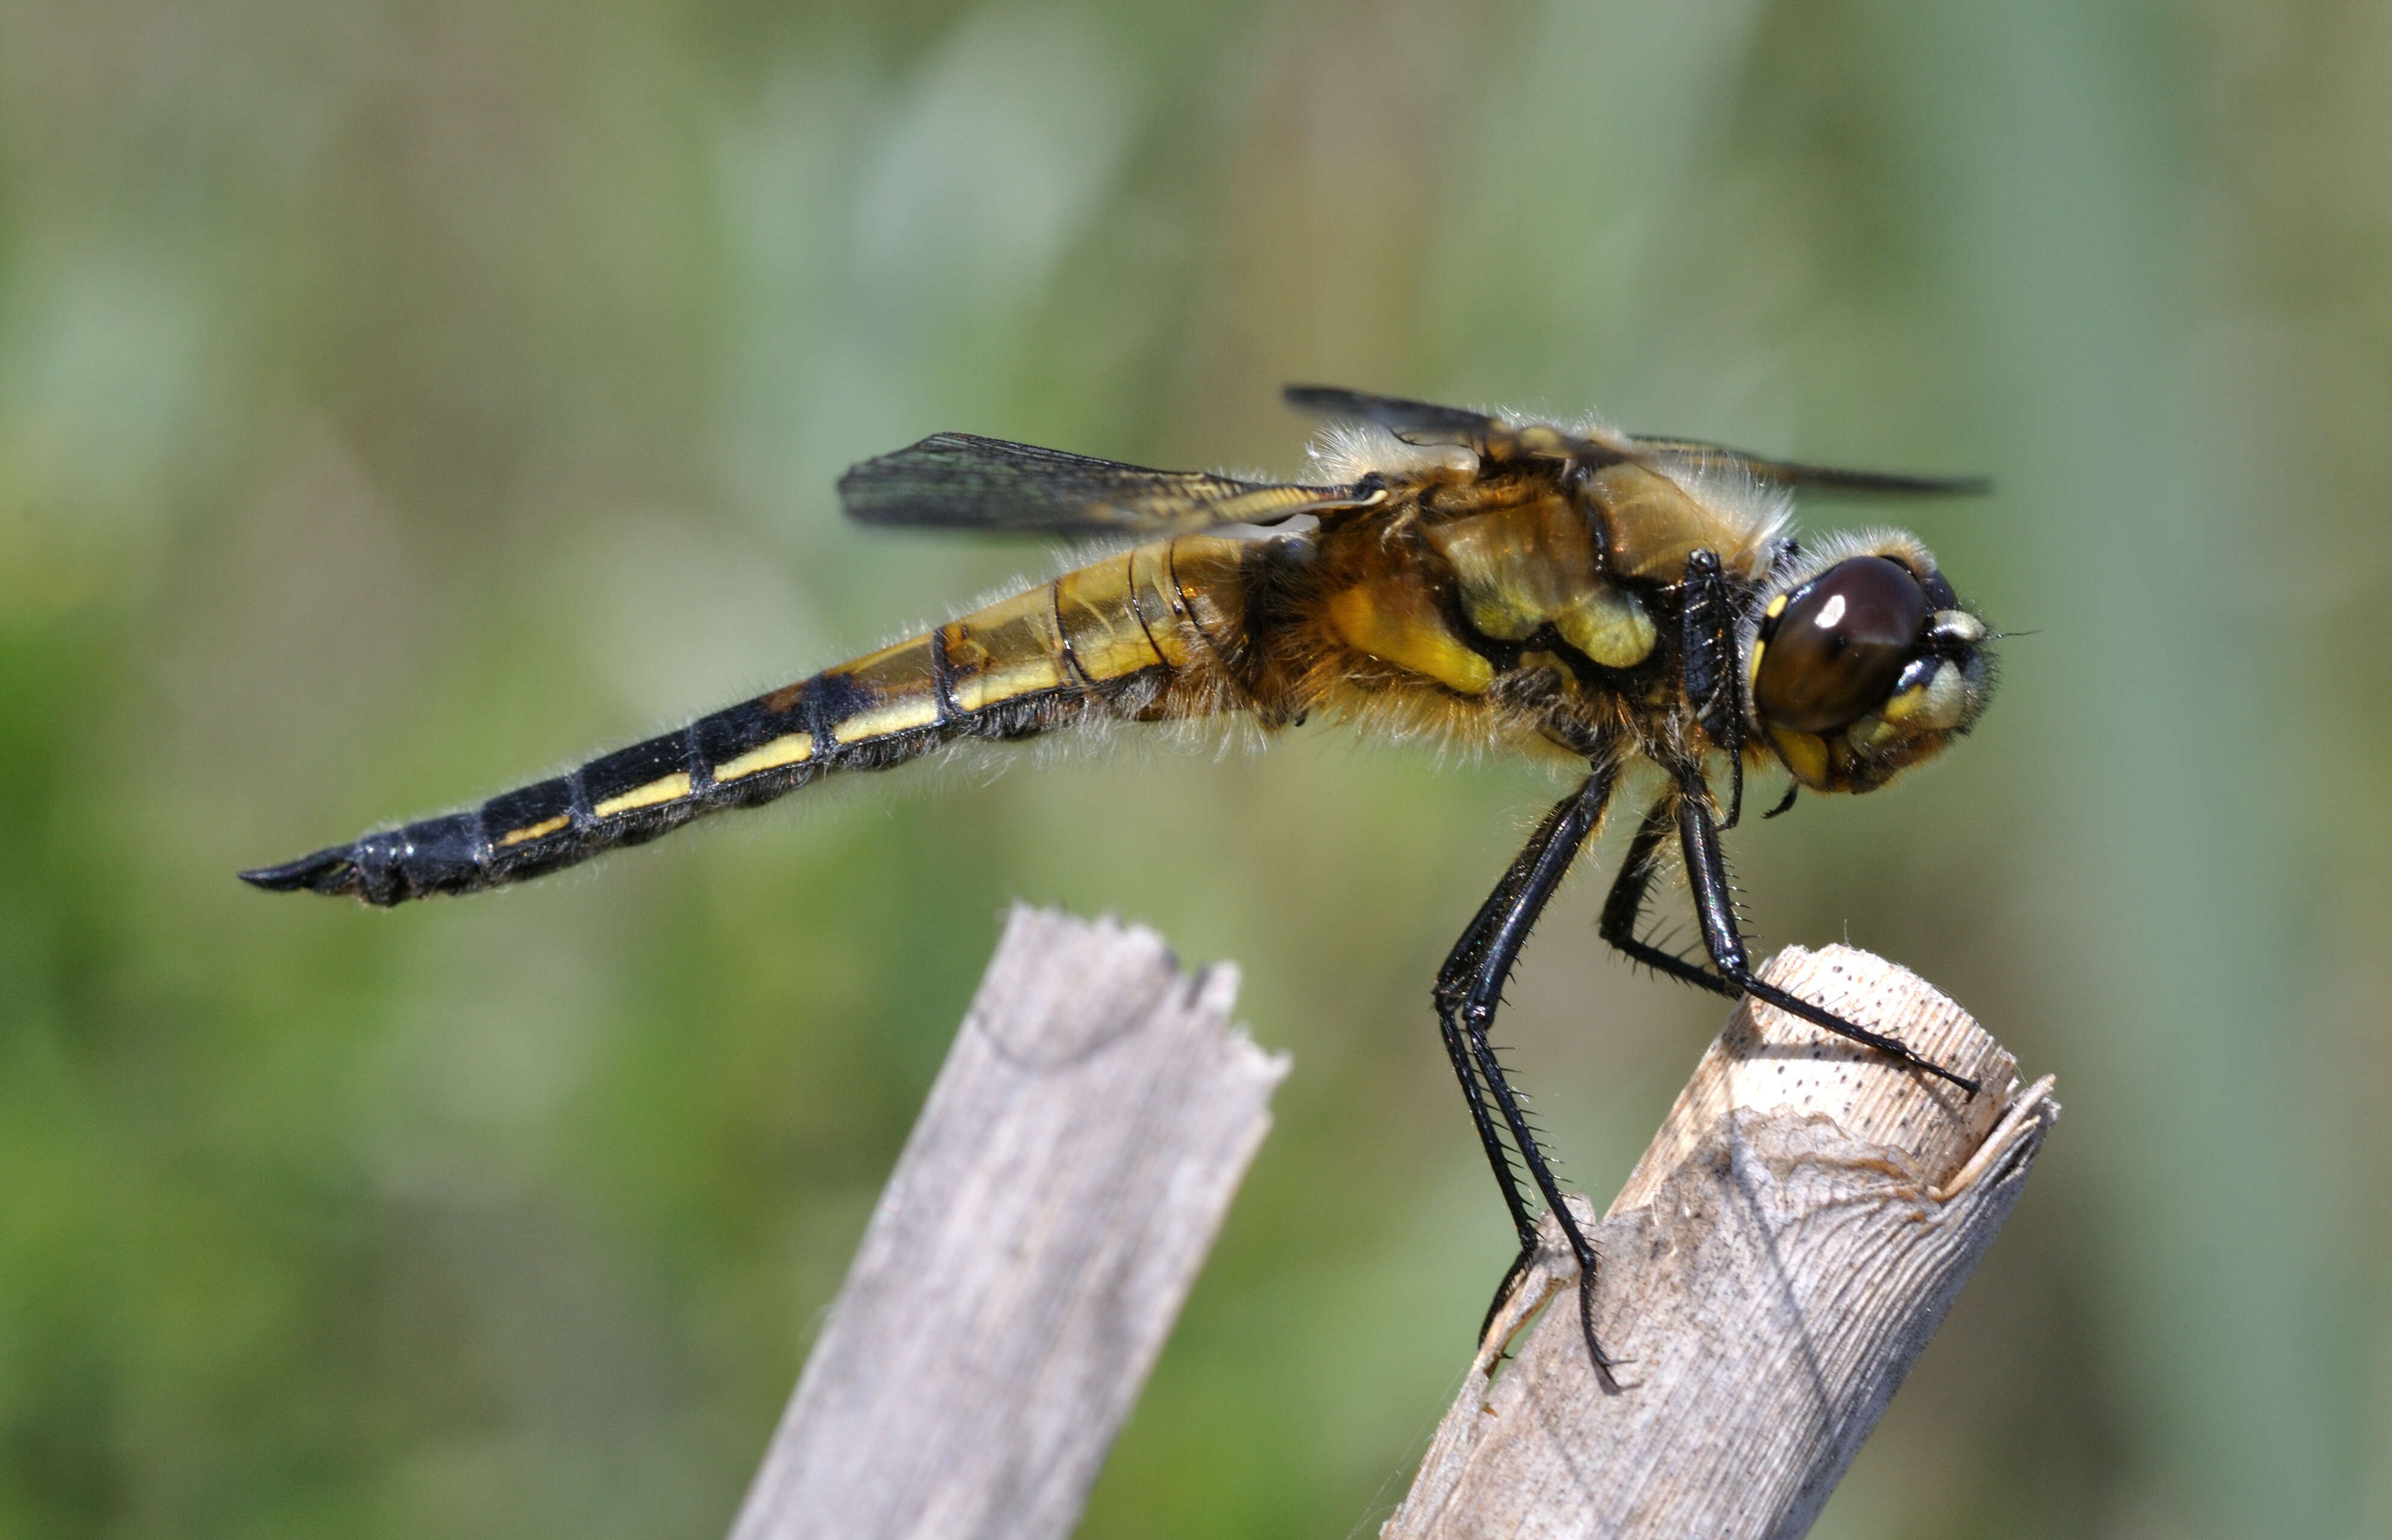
(1781, 1254)
(1030, 1251)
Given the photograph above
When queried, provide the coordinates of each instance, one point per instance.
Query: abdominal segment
(1493, 623)
(1158, 631)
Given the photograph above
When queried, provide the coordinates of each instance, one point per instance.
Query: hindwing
(962, 481)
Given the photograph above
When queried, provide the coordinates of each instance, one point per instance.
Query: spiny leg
(1468, 992)
(1477, 1016)
(1715, 907)
(1461, 966)
(1453, 980)
(1623, 909)
(1713, 673)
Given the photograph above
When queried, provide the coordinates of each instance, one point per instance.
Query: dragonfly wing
(1821, 478)
(1418, 422)
(1426, 422)
(962, 481)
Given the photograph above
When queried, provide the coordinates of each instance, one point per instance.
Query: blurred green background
(400, 400)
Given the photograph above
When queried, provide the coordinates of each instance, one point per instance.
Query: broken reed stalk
(1779, 1257)
(1775, 1262)
(1030, 1251)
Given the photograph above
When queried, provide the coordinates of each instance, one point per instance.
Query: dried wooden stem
(1030, 1251)
(1788, 1243)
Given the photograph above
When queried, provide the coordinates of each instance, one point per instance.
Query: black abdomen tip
(330, 870)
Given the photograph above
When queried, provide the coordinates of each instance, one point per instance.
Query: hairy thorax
(1521, 609)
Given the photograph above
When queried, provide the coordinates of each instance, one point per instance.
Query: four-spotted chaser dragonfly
(1477, 581)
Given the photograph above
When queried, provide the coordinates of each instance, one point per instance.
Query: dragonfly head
(1863, 663)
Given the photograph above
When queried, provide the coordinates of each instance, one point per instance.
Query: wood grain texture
(1029, 1252)
(1791, 1239)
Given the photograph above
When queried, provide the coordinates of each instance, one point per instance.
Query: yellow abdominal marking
(1005, 651)
(668, 789)
(899, 716)
(999, 685)
(534, 831)
(1100, 622)
(790, 749)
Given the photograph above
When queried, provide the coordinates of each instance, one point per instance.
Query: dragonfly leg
(1623, 909)
(1453, 980)
(1714, 677)
(1469, 990)
(1715, 907)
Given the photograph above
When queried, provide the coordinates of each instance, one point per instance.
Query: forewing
(961, 481)
(1426, 422)
(1419, 422)
(1820, 478)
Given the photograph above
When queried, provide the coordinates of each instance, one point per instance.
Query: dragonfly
(1477, 580)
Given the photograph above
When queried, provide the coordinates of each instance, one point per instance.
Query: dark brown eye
(1839, 645)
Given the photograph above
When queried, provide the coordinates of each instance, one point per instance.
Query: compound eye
(1840, 644)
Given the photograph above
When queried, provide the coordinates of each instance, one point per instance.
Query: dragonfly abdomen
(1142, 634)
